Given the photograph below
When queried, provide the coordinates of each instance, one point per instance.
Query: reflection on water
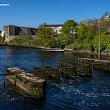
(81, 94)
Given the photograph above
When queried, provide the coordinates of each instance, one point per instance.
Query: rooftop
(54, 25)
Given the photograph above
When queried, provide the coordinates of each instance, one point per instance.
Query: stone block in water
(28, 82)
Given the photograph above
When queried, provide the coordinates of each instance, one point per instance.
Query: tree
(81, 31)
(44, 32)
(46, 36)
(85, 35)
(68, 32)
(88, 22)
(69, 27)
(89, 33)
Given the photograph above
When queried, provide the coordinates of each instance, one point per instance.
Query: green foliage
(45, 32)
(84, 32)
(23, 42)
(80, 45)
(81, 31)
(89, 33)
(88, 22)
(90, 44)
(105, 25)
(104, 42)
(68, 27)
(68, 33)
(47, 37)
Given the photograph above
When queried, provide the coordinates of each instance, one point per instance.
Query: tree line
(81, 36)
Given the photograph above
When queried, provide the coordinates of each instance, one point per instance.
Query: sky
(32, 13)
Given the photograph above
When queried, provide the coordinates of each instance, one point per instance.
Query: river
(83, 94)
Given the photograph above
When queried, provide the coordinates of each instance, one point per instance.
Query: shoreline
(57, 49)
(87, 52)
(35, 47)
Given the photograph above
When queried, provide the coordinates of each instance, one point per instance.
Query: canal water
(82, 94)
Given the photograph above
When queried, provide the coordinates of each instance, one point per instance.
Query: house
(55, 27)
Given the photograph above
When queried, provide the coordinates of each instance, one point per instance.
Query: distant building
(55, 27)
(12, 31)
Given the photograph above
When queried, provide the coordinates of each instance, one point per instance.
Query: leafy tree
(85, 32)
(44, 32)
(69, 27)
(46, 36)
(89, 33)
(88, 22)
(81, 31)
(105, 25)
(68, 32)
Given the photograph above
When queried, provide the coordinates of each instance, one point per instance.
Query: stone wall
(73, 69)
(100, 64)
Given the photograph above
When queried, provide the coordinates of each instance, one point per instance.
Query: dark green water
(82, 94)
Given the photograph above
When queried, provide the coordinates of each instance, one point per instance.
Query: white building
(56, 28)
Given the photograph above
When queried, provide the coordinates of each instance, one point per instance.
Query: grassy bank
(78, 45)
(25, 43)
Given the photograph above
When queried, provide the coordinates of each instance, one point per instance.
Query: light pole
(99, 42)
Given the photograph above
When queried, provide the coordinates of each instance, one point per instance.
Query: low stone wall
(73, 69)
(66, 64)
(69, 71)
(86, 61)
(50, 72)
(84, 69)
(100, 64)
(28, 82)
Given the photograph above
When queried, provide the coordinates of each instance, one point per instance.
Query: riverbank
(104, 53)
(33, 46)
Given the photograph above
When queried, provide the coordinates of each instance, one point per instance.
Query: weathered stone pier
(71, 70)
(32, 85)
(99, 64)
(75, 69)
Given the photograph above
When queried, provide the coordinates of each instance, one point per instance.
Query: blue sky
(34, 12)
